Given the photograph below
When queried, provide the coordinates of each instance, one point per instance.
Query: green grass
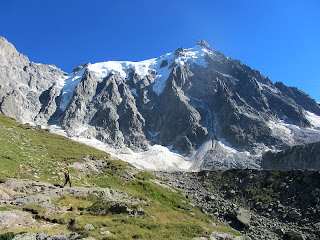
(29, 153)
(113, 176)
(8, 208)
(153, 192)
(122, 227)
(7, 236)
(144, 175)
(76, 202)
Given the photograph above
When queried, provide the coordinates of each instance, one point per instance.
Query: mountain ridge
(185, 99)
(108, 198)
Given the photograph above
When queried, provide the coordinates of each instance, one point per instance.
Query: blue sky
(279, 38)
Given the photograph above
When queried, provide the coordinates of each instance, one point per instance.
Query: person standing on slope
(67, 177)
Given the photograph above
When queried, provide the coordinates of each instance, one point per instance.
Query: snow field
(194, 55)
(69, 85)
(313, 119)
(161, 158)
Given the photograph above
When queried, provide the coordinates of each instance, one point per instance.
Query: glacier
(188, 110)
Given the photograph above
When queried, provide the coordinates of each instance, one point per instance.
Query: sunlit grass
(29, 153)
(34, 153)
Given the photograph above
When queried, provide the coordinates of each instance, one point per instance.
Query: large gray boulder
(15, 219)
(35, 199)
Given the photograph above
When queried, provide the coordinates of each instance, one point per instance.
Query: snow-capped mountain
(191, 109)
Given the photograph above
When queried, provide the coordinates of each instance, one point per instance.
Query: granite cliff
(215, 111)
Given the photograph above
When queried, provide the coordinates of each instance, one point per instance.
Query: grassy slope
(29, 153)
(26, 152)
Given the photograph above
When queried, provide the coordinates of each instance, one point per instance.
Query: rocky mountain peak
(80, 67)
(6, 47)
(203, 43)
(9, 54)
(179, 52)
(216, 111)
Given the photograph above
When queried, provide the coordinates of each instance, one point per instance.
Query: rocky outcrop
(29, 192)
(22, 84)
(35, 199)
(204, 44)
(299, 97)
(45, 236)
(296, 157)
(260, 204)
(107, 109)
(181, 126)
(15, 219)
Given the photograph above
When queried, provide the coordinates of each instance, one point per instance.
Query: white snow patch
(160, 80)
(198, 157)
(156, 158)
(104, 69)
(69, 84)
(313, 119)
(279, 127)
(195, 55)
(192, 56)
(225, 157)
(81, 129)
(160, 158)
(283, 130)
(55, 129)
(227, 146)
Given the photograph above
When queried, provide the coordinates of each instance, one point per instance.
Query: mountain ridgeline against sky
(215, 111)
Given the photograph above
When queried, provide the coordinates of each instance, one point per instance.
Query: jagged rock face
(183, 99)
(296, 157)
(180, 125)
(107, 109)
(22, 83)
(299, 97)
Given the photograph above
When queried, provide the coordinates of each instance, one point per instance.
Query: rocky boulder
(15, 219)
(260, 204)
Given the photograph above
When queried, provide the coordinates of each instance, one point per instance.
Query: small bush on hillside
(7, 236)
(103, 208)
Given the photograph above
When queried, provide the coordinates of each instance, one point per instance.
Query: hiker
(67, 177)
